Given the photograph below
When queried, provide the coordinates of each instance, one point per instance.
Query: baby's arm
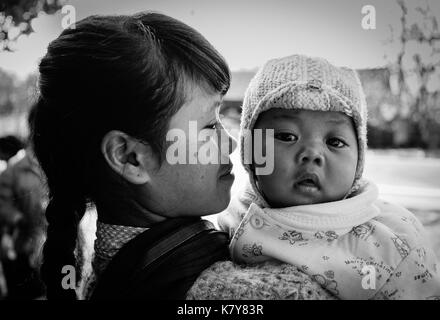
(415, 278)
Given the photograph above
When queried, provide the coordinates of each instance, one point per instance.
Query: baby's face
(315, 158)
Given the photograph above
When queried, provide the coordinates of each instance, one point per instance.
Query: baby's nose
(311, 154)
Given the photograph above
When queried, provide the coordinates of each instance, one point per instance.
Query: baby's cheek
(349, 169)
(283, 163)
(272, 183)
(342, 179)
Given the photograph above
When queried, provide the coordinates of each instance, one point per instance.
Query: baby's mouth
(308, 182)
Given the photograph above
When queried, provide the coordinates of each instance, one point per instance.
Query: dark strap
(162, 262)
(172, 242)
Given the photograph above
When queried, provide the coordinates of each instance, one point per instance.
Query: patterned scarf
(110, 239)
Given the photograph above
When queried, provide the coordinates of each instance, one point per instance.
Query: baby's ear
(128, 157)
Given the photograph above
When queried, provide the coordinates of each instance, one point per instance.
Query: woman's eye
(336, 143)
(285, 136)
(212, 126)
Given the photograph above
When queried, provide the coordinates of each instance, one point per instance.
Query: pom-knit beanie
(302, 82)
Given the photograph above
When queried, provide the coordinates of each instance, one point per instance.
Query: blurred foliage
(7, 88)
(16, 96)
(416, 75)
(16, 16)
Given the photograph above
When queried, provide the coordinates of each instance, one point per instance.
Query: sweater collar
(343, 214)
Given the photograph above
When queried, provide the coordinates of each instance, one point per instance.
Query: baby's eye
(336, 143)
(285, 136)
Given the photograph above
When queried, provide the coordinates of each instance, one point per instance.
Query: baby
(314, 210)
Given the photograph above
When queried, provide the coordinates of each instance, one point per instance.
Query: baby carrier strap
(163, 262)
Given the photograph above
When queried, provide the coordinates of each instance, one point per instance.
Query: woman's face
(194, 178)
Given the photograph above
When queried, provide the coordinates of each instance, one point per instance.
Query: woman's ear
(127, 156)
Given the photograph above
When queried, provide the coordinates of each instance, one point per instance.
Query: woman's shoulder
(271, 280)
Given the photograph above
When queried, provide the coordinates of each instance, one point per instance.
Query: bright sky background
(246, 32)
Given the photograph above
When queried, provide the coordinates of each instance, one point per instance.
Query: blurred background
(394, 45)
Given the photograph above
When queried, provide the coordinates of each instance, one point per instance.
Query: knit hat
(308, 83)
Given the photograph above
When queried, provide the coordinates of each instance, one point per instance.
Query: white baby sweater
(356, 248)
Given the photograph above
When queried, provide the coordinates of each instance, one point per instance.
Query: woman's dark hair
(124, 73)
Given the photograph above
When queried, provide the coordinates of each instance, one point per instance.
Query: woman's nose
(232, 144)
(311, 154)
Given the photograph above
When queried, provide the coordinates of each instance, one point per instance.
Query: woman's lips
(226, 171)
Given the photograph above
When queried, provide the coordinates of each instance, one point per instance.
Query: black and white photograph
(231, 151)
